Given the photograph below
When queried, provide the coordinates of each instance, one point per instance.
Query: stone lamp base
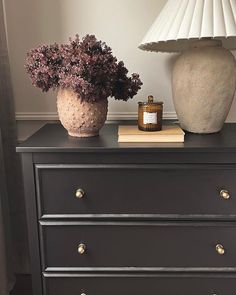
(203, 84)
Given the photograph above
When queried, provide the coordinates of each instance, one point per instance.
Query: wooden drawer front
(141, 284)
(136, 189)
(137, 245)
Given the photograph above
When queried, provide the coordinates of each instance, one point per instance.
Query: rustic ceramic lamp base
(204, 82)
(203, 79)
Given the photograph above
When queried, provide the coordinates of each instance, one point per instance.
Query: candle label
(149, 118)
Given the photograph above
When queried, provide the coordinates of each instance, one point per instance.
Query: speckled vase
(80, 118)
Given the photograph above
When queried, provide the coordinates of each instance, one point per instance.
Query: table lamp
(204, 74)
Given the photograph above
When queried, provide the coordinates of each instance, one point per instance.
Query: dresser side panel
(31, 210)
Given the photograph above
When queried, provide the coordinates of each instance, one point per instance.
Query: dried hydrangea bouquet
(85, 73)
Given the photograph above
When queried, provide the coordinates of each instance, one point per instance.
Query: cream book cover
(169, 133)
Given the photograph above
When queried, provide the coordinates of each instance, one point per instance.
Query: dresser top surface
(54, 138)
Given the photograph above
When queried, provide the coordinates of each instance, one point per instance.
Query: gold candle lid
(150, 101)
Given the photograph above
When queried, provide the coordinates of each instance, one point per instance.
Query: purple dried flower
(88, 67)
(43, 64)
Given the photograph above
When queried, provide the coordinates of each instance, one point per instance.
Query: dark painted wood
(151, 216)
(23, 285)
(140, 285)
(136, 189)
(32, 222)
(138, 245)
(158, 157)
(54, 138)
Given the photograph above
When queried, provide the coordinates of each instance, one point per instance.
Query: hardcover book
(169, 133)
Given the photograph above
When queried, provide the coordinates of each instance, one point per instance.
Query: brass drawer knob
(224, 194)
(220, 249)
(81, 248)
(79, 193)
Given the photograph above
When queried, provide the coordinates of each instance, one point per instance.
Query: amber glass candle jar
(150, 115)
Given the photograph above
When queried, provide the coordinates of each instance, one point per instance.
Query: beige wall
(121, 23)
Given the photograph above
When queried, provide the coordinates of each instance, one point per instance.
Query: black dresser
(108, 219)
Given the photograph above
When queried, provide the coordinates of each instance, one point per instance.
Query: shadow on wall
(33, 24)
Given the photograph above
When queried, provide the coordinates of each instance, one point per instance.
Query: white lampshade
(182, 21)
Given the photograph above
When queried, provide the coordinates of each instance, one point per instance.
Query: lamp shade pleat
(229, 17)
(219, 20)
(181, 21)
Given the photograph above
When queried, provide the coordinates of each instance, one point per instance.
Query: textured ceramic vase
(203, 82)
(80, 118)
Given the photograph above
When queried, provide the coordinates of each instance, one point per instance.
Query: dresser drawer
(136, 189)
(141, 284)
(129, 244)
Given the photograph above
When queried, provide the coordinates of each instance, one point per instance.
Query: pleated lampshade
(182, 21)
